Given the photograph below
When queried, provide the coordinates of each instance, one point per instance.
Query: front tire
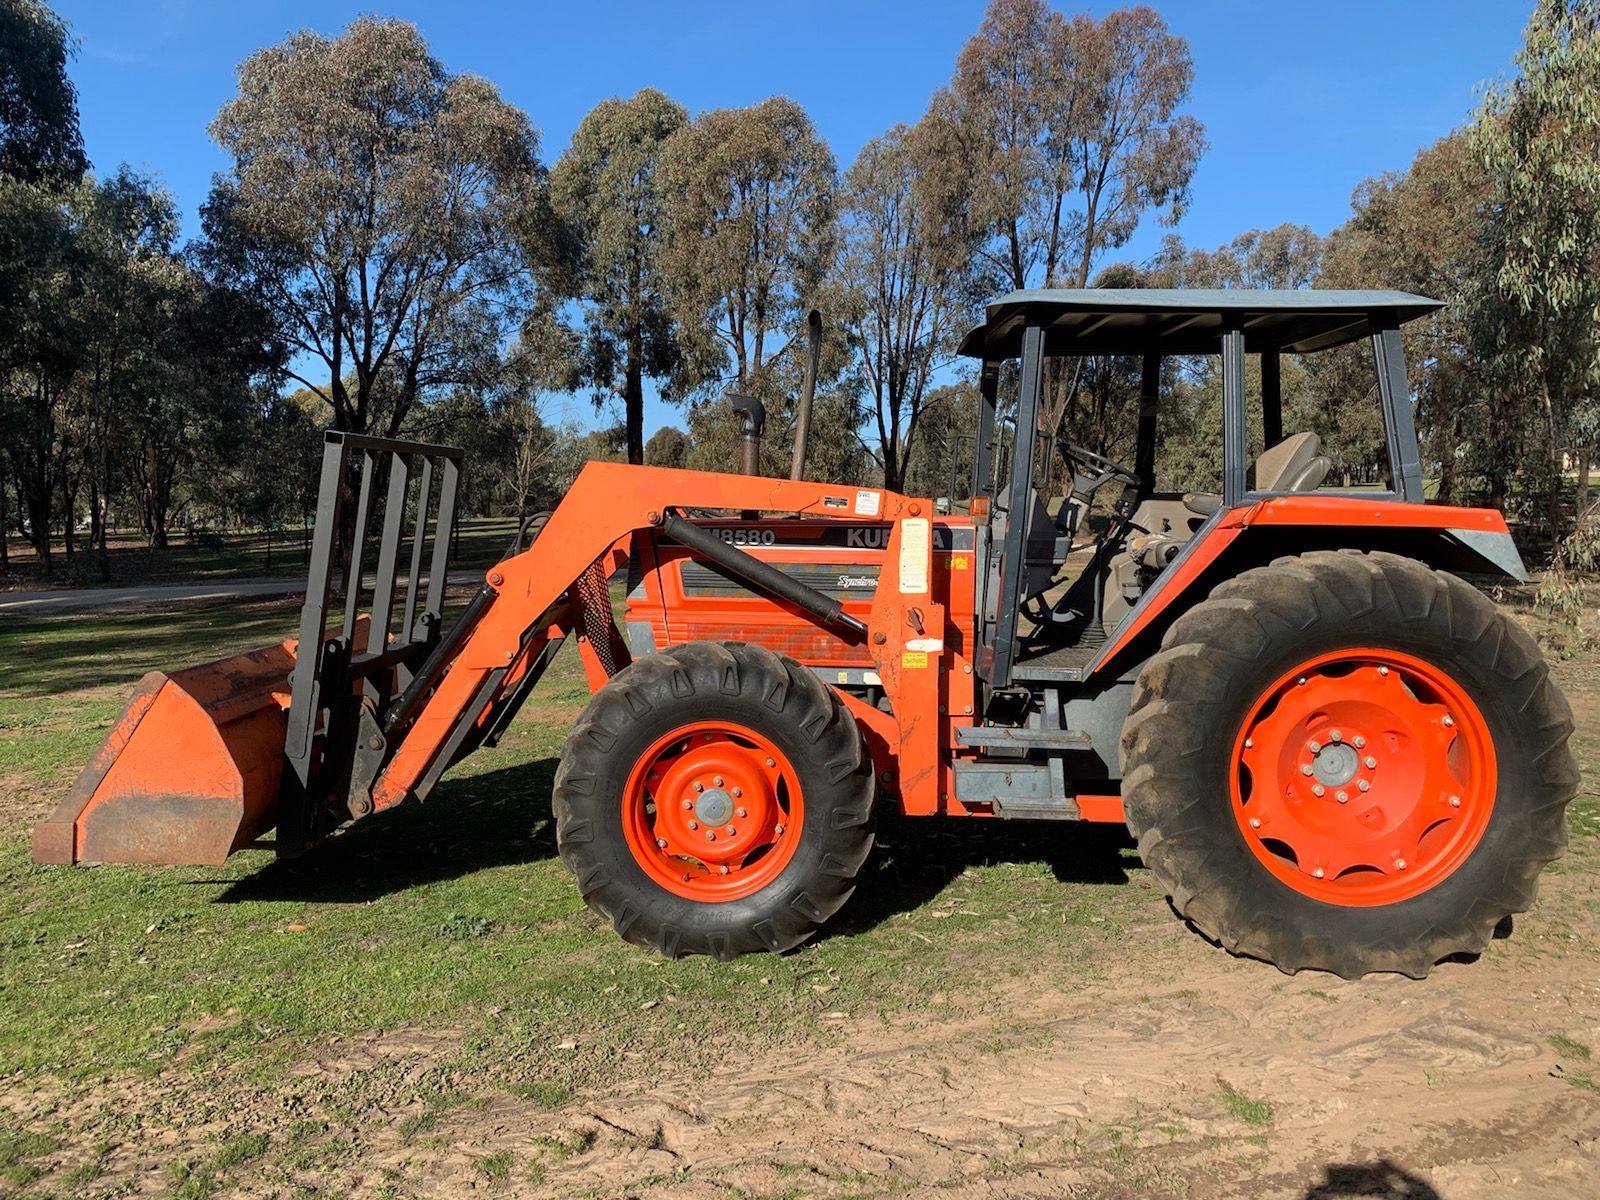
(1348, 762)
(715, 799)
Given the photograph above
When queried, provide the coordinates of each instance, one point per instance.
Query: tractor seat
(1295, 464)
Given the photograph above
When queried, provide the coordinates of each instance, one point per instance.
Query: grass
(1241, 1107)
(452, 923)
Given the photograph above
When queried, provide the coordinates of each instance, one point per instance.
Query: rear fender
(1470, 541)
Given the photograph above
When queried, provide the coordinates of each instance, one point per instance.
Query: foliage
(606, 191)
(369, 206)
(39, 137)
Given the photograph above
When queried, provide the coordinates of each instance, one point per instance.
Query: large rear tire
(715, 799)
(1348, 762)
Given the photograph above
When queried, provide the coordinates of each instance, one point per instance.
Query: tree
(1539, 138)
(39, 137)
(391, 215)
(748, 236)
(1060, 135)
(667, 447)
(605, 188)
(903, 280)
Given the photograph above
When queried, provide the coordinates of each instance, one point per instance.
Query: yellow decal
(916, 533)
(958, 563)
(913, 659)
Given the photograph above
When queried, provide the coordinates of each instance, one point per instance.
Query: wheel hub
(1335, 765)
(714, 807)
(1363, 777)
(712, 811)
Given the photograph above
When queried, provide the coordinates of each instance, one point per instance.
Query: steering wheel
(1101, 470)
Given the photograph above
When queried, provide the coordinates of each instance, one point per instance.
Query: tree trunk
(1585, 460)
(633, 398)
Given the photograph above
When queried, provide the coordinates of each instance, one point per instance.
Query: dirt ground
(1156, 1066)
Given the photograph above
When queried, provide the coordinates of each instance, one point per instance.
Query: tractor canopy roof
(1186, 321)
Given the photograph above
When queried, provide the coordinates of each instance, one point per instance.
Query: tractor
(1333, 749)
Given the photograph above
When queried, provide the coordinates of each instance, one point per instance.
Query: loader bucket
(189, 773)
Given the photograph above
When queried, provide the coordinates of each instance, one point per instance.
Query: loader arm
(537, 595)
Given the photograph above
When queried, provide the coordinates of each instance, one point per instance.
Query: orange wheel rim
(712, 811)
(1363, 777)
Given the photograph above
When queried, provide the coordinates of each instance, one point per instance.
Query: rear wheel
(1348, 762)
(715, 799)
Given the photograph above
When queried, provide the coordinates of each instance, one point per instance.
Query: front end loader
(1335, 752)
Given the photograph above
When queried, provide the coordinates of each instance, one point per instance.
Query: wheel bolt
(1317, 874)
(1363, 785)
(1301, 682)
(1358, 741)
(1342, 796)
(1448, 720)
(770, 763)
(1249, 743)
(1318, 790)
(662, 842)
(730, 831)
(717, 781)
(741, 813)
(698, 786)
(737, 793)
(688, 804)
(1255, 822)
(711, 835)
(1383, 670)
(1305, 768)
(777, 829)
(1370, 761)
(1314, 747)
(1399, 864)
(694, 824)
(724, 868)
(1336, 736)
(1455, 801)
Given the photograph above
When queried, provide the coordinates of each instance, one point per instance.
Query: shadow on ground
(1381, 1178)
(502, 818)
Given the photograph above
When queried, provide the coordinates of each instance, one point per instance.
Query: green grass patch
(1570, 1047)
(1242, 1107)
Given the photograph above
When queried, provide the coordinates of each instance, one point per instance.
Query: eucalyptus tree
(605, 188)
(393, 216)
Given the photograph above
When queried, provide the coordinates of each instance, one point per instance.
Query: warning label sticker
(916, 534)
(914, 660)
(867, 503)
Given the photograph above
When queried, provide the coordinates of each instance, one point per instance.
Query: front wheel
(1348, 762)
(715, 799)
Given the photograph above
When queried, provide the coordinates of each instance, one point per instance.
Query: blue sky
(1301, 100)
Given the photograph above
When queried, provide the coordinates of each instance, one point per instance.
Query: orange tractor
(1335, 752)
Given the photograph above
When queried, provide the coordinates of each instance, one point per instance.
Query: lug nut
(688, 804)
(770, 763)
(1383, 670)
(1318, 790)
(694, 824)
(1370, 761)
(1358, 741)
(777, 829)
(739, 812)
(1249, 743)
(1455, 801)
(1363, 785)
(730, 831)
(698, 786)
(662, 842)
(1301, 682)
(724, 868)
(1314, 747)
(737, 793)
(717, 781)
(1317, 874)
(1342, 796)
(1448, 720)
(1305, 768)
(1399, 864)
(711, 835)
(1255, 822)
(1336, 735)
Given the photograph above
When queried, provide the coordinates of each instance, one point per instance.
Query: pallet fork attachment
(207, 760)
